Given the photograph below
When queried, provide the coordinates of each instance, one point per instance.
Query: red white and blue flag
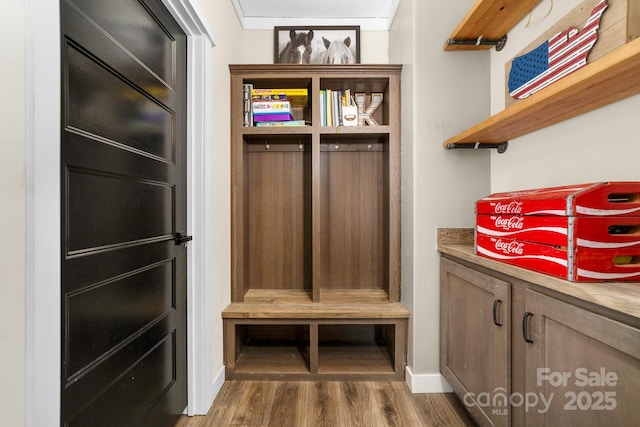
(562, 54)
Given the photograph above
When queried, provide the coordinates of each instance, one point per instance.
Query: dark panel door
(123, 166)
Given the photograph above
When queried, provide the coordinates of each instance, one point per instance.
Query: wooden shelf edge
(275, 130)
(609, 79)
(323, 130)
(355, 130)
(309, 69)
(342, 376)
(490, 19)
(347, 311)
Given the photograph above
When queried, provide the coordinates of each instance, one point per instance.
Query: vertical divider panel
(315, 191)
(393, 230)
(400, 347)
(238, 218)
(242, 232)
(229, 344)
(387, 216)
(313, 347)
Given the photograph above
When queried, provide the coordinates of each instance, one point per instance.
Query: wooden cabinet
(568, 361)
(585, 365)
(316, 208)
(315, 217)
(475, 338)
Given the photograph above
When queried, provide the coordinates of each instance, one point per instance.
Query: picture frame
(316, 45)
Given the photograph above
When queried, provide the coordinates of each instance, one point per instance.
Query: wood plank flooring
(328, 404)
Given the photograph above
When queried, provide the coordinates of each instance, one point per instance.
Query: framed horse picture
(317, 45)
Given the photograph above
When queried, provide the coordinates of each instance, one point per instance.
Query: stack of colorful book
(273, 107)
(271, 111)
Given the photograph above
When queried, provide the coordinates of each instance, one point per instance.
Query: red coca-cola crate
(586, 232)
(580, 265)
(565, 231)
(595, 199)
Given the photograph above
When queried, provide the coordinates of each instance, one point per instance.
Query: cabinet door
(475, 341)
(581, 368)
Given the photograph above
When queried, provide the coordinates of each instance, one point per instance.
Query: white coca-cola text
(509, 208)
(510, 223)
(510, 247)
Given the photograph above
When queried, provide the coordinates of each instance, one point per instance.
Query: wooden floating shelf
(611, 78)
(491, 19)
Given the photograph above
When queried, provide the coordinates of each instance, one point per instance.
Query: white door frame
(43, 314)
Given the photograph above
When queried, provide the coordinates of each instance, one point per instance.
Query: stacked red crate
(582, 233)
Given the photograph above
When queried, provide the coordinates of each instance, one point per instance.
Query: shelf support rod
(501, 147)
(499, 44)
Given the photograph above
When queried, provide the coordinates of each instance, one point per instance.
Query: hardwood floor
(328, 404)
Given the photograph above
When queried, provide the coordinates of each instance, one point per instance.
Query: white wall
(442, 94)
(12, 214)
(229, 48)
(598, 146)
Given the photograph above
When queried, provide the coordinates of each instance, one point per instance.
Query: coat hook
(370, 146)
(337, 146)
(266, 146)
(300, 146)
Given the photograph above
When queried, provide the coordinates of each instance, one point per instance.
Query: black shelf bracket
(480, 41)
(501, 147)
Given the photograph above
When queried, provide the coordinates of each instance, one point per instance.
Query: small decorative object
(350, 115)
(365, 113)
(317, 45)
(557, 57)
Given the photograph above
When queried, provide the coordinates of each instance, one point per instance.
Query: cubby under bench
(283, 335)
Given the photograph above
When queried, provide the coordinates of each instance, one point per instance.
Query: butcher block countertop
(620, 297)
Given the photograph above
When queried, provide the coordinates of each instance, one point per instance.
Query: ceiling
(266, 14)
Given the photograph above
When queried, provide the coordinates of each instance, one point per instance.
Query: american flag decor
(562, 54)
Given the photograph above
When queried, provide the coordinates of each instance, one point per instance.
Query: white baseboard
(217, 384)
(211, 395)
(427, 383)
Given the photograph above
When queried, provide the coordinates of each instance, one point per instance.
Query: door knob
(181, 239)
